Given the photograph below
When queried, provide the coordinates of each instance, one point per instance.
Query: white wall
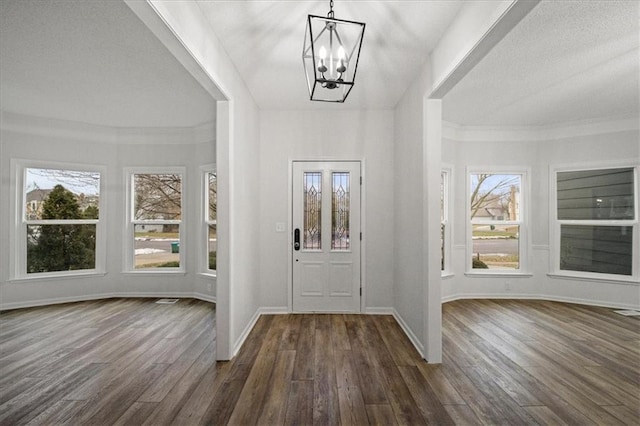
(408, 237)
(308, 135)
(537, 150)
(51, 140)
(238, 142)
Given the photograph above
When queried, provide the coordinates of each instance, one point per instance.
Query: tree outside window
(61, 216)
(211, 218)
(156, 219)
(496, 225)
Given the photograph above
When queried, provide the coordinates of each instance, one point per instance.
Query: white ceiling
(264, 40)
(93, 62)
(565, 61)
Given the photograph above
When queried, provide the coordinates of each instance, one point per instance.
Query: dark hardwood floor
(131, 361)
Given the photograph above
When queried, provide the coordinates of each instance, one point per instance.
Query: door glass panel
(312, 211)
(340, 211)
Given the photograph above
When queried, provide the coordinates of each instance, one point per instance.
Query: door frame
(363, 203)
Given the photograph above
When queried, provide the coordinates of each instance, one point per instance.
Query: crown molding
(50, 127)
(580, 128)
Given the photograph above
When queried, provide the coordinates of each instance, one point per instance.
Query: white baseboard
(378, 311)
(275, 310)
(59, 300)
(412, 337)
(205, 297)
(550, 298)
(245, 333)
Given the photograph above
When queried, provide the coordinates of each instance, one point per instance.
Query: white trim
(378, 311)
(497, 273)
(407, 330)
(523, 223)
(461, 133)
(273, 310)
(595, 277)
(125, 295)
(17, 203)
(245, 333)
(550, 298)
(66, 129)
(130, 223)
(555, 223)
(155, 271)
(204, 297)
(62, 275)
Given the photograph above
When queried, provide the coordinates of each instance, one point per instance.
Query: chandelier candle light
(330, 56)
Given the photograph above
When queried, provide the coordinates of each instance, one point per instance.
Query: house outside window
(155, 227)
(59, 230)
(595, 232)
(497, 232)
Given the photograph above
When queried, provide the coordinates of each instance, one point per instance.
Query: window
(497, 225)
(596, 222)
(445, 227)
(155, 220)
(59, 231)
(211, 219)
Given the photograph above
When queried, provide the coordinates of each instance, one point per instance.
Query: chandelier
(330, 56)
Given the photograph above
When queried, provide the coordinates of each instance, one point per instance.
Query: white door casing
(326, 236)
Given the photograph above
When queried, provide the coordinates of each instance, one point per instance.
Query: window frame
(18, 232)
(446, 218)
(205, 221)
(523, 222)
(131, 222)
(555, 224)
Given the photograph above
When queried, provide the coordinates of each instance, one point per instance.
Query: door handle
(296, 239)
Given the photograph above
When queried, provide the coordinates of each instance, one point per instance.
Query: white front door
(326, 236)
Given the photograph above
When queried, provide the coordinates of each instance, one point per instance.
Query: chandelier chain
(330, 14)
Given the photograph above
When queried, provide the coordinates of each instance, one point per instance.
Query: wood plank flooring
(131, 362)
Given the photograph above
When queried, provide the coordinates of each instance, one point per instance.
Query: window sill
(594, 278)
(154, 272)
(498, 274)
(48, 277)
(447, 275)
(208, 274)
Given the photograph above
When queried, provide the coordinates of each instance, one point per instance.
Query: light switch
(280, 226)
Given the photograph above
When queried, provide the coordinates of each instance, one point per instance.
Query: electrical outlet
(507, 286)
